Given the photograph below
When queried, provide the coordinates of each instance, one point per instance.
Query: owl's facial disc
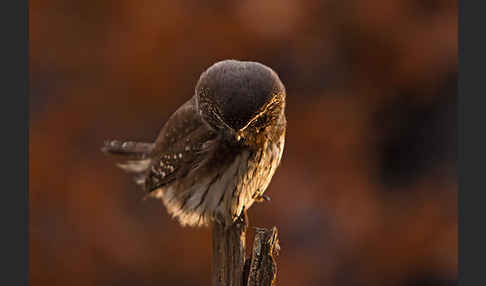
(264, 110)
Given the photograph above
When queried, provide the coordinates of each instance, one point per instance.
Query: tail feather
(128, 149)
(134, 166)
(134, 157)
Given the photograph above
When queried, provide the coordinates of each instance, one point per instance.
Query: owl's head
(240, 97)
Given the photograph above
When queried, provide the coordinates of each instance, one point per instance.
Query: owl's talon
(262, 198)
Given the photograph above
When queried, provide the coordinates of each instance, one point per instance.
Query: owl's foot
(262, 199)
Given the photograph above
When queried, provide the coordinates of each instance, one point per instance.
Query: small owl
(217, 153)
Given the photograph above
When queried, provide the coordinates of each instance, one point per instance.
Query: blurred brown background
(365, 195)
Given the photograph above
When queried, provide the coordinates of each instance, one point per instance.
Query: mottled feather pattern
(181, 147)
(227, 189)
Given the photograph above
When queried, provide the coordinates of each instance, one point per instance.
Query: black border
(14, 126)
(472, 143)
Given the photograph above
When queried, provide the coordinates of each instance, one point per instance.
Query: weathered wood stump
(230, 265)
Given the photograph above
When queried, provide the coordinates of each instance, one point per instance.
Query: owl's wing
(182, 146)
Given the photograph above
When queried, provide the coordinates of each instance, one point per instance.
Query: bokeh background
(366, 192)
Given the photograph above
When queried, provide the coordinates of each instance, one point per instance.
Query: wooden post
(229, 253)
(231, 268)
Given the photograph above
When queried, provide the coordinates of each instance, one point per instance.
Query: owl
(215, 156)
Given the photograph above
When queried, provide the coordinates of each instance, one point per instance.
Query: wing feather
(181, 147)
